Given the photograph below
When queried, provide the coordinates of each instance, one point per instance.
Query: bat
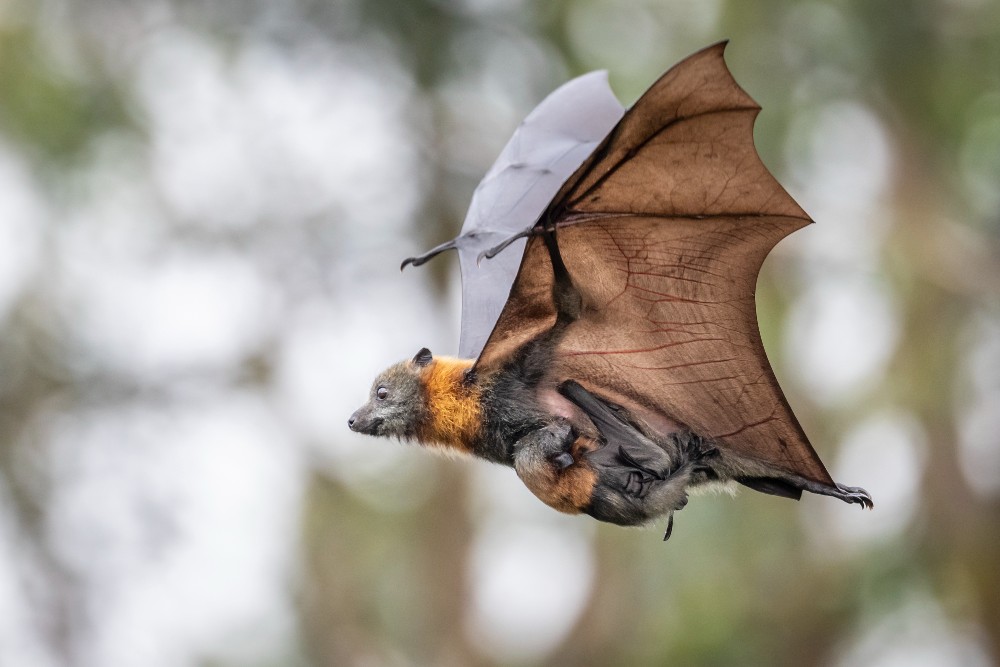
(609, 349)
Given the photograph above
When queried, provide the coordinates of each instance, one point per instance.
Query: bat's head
(397, 403)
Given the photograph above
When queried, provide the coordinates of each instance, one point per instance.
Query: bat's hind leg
(792, 486)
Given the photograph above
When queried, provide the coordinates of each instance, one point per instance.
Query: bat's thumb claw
(429, 255)
(490, 253)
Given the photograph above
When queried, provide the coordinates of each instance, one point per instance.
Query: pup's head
(397, 403)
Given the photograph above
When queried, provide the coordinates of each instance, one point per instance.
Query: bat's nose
(351, 420)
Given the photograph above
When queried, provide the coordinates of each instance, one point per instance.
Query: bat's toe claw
(855, 494)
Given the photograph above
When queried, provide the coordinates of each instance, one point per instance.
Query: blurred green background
(202, 208)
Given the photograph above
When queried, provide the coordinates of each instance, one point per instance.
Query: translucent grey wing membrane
(545, 150)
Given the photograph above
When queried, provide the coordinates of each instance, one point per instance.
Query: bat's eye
(381, 393)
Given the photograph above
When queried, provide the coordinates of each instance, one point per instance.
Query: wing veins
(631, 152)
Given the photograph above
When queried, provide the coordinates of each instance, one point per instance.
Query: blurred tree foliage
(755, 581)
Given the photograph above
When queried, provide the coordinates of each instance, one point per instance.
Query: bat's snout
(360, 422)
(356, 421)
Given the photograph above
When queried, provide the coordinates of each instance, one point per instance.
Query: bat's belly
(554, 403)
(558, 405)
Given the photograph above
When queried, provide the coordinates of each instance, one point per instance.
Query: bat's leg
(772, 485)
(791, 486)
(849, 494)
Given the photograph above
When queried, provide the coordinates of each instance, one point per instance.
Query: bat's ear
(423, 357)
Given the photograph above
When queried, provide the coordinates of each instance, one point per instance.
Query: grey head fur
(397, 402)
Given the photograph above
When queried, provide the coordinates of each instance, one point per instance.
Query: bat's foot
(697, 448)
(699, 452)
(854, 494)
(792, 485)
(849, 494)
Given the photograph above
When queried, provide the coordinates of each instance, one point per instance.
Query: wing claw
(490, 253)
(429, 255)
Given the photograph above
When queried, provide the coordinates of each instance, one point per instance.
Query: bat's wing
(662, 231)
(546, 148)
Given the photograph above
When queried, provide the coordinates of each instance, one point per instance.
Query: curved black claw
(855, 494)
(670, 527)
(429, 255)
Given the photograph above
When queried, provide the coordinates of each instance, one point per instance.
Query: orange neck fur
(454, 408)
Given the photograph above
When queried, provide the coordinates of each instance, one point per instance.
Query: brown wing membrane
(663, 231)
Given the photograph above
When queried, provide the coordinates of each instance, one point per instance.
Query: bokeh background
(202, 211)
